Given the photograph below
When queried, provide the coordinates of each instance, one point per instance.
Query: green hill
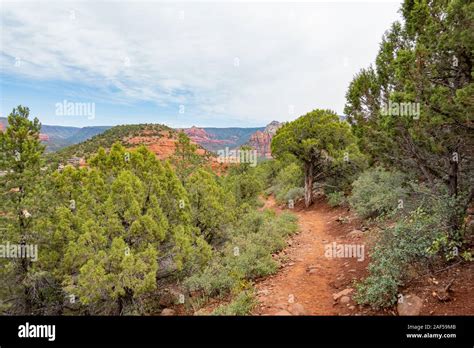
(117, 133)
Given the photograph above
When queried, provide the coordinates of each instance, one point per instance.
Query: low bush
(241, 305)
(247, 254)
(419, 240)
(336, 199)
(376, 192)
(215, 279)
(294, 194)
(288, 183)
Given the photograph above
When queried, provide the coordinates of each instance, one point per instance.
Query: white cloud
(288, 54)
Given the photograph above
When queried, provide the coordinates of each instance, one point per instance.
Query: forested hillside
(121, 134)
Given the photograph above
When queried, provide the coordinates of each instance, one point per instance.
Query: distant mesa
(197, 132)
(200, 136)
(162, 144)
(214, 139)
(58, 137)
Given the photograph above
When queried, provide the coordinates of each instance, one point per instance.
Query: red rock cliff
(261, 140)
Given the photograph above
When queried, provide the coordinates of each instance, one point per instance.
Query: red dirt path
(308, 277)
(313, 291)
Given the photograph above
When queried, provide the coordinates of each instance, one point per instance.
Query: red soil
(310, 279)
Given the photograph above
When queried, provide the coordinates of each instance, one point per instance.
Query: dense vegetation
(411, 121)
(424, 61)
(112, 235)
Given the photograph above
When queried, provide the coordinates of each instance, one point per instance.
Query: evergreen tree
(20, 162)
(211, 207)
(426, 62)
(321, 142)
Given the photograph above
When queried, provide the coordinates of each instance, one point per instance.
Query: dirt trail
(307, 281)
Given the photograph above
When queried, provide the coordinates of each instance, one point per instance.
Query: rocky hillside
(261, 140)
(159, 139)
(128, 135)
(214, 139)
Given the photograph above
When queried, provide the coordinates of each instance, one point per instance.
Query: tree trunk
(123, 301)
(308, 184)
(453, 192)
(453, 178)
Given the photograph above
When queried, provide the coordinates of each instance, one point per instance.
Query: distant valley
(210, 138)
(58, 137)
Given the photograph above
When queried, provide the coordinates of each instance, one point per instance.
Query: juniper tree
(322, 143)
(425, 59)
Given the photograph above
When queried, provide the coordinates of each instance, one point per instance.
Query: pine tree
(21, 152)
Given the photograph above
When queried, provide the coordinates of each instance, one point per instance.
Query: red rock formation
(200, 136)
(261, 140)
(162, 145)
(44, 137)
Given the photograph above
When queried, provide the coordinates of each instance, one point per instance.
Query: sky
(209, 64)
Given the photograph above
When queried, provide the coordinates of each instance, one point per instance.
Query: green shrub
(252, 260)
(294, 194)
(287, 224)
(377, 192)
(248, 253)
(407, 244)
(336, 199)
(288, 183)
(215, 279)
(241, 305)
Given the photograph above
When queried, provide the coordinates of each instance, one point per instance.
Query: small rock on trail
(342, 293)
(282, 312)
(297, 309)
(168, 312)
(356, 234)
(345, 299)
(410, 305)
